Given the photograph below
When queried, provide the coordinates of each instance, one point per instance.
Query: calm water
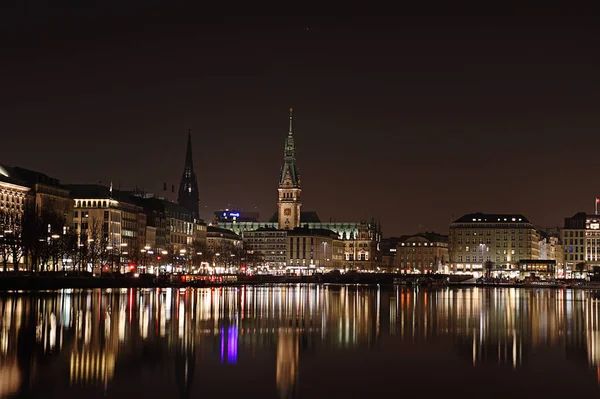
(305, 341)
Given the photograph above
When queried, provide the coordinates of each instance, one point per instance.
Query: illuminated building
(500, 239)
(289, 203)
(233, 215)
(362, 251)
(188, 188)
(13, 198)
(309, 250)
(172, 226)
(581, 243)
(49, 195)
(13, 194)
(221, 238)
(270, 243)
(103, 212)
(551, 248)
(422, 253)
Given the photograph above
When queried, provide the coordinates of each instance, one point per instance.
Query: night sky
(412, 120)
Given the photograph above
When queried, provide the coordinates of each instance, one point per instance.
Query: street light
(182, 253)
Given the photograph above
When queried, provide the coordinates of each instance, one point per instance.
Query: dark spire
(189, 162)
(188, 188)
(289, 159)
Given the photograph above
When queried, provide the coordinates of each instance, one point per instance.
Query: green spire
(289, 160)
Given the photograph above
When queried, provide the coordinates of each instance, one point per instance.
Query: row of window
(487, 232)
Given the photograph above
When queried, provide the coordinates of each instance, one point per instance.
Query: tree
(488, 266)
(4, 240)
(98, 254)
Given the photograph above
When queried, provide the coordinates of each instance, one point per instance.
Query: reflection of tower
(287, 363)
(288, 205)
(185, 366)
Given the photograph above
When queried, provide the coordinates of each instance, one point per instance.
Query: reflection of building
(502, 239)
(422, 253)
(287, 363)
(314, 249)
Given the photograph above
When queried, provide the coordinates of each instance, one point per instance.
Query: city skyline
(458, 116)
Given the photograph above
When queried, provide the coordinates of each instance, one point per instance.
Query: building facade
(501, 240)
(13, 200)
(217, 238)
(551, 248)
(581, 244)
(105, 217)
(312, 250)
(362, 249)
(233, 216)
(47, 193)
(422, 253)
(270, 244)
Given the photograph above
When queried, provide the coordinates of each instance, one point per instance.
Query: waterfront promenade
(48, 281)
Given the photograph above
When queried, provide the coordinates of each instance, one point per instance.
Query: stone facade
(581, 244)
(501, 239)
(422, 253)
(270, 244)
(311, 250)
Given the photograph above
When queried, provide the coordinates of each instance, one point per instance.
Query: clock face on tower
(287, 211)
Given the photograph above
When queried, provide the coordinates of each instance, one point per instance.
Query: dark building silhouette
(188, 188)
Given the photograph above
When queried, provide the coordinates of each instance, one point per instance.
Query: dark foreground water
(305, 341)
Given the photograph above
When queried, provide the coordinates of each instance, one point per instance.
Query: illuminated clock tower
(288, 206)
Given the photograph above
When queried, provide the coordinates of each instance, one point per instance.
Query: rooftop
(305, 217)
(220, 231)
(303, 231)
(492, 218)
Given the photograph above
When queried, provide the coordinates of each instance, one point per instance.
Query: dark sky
(412, 120)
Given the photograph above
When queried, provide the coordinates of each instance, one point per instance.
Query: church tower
(288, 206)
(188, 188)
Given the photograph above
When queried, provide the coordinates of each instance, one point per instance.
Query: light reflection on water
(261, 340)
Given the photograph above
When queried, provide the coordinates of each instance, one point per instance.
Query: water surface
(307, 341)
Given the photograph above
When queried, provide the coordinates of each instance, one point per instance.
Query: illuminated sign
(236, 214)
(594, 226)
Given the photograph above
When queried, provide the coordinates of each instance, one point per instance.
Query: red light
(132, 267)
(158, 258)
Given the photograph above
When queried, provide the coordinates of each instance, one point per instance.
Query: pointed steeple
(289, 171)
(188, 188)
(189, 162)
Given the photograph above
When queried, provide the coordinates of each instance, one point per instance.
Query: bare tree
(97, 243)
(4, 240)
